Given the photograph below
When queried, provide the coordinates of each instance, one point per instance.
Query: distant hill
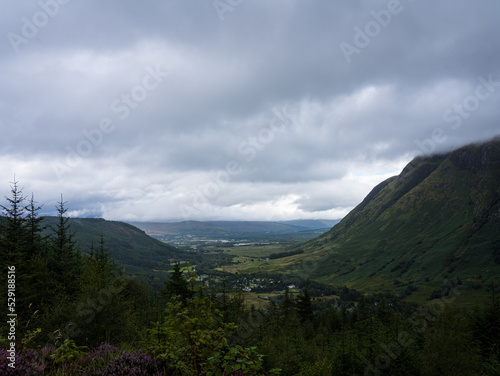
(231, 229)
(127, 244)
(439, 219)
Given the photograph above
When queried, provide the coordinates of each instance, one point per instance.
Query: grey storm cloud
(164, 110)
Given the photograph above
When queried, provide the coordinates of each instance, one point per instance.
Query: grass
(256, 299)
(255, 251)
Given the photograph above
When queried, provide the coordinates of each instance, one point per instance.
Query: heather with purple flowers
(101, 354)
(96, 359)
(28, 363)
(4, 363)
(108, 360)
(103, 360)
(136, 363)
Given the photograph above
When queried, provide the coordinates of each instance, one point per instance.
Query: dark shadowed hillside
(128, 245)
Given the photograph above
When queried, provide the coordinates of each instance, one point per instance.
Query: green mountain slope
(137, 252)
(439, 219)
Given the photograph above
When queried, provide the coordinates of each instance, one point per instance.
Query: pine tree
(105, 263)
(65, 257)
(450, 347)
(287, 304)
(334, 319)
(13, 232)
(38, 289)
(383, 313)
(107, 314)
(177, 285)
(99, 268)
(13, 245)
(362, 311)
(485, 322)
(35, 239)
(304, 307)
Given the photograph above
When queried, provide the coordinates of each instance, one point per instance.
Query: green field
(256, 251)
(261, 300)
(250, 258)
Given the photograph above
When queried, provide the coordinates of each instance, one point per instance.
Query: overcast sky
(236, 109)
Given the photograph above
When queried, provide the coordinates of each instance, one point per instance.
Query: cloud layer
(237, 109)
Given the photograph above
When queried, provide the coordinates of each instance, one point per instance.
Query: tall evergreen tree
(362, 311)
(107, 315)
(66, 258)
(36, 254)
(177, 285)
(485, 322)
(304, 307)
(34, 228)
(13, 231)
(13, 245)
(384, 314)
(287, 304)
(99, 268)
(450, 347)
(104, 261)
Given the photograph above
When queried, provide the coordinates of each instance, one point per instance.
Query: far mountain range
(213, 230)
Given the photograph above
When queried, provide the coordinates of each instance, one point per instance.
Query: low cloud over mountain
(252, 110)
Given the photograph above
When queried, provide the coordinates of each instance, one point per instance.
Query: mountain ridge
(438, 219)
(232, 228)
(130, 246)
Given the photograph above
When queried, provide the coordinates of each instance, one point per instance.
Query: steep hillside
(439, 219)
(128, 245)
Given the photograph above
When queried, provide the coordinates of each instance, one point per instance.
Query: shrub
(28, 362)
(192, 340)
